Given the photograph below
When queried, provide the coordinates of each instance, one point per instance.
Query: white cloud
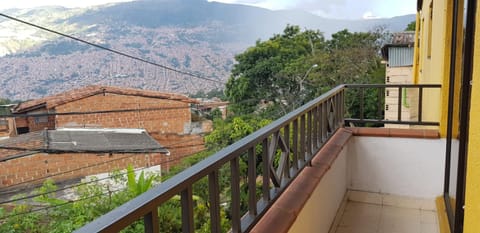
(70, 3)
(346, 9)
(369, 15)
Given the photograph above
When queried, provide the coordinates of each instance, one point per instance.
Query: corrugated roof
(82, 140)
(403, 38)
(104, 140)
(76, 94)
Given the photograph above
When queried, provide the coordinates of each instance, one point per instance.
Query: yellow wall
(434, 66)
(472, 196)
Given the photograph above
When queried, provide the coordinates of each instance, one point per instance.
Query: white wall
(320, 210)
(399, 166)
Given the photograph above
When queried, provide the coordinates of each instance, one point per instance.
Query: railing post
(214, 192)
(252, 184)
(235, 188)
(399, 104)
(295, 145)
(380, 106)
(309, 135)
(318, 132)
(315, 128)
(286, 139)
(151, 221)
(420, 103)
(302, 140)
(266, 171)
(187, 210)
(362, 103)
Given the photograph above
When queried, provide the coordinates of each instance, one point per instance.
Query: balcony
(307, 172)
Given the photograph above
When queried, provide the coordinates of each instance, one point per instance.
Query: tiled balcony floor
(361, 217)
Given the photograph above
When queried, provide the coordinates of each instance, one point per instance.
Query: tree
(351, 58)
(270, 70)
(348, 58)
(289, 69)
(411, 26)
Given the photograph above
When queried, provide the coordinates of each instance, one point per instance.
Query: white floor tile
(361, 217)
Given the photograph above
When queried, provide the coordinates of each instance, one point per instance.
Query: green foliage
(215, 93)
(287, 70)
(231, 130)
(263, 72)
(3, 109)
(137, 187)
(94, 200)
(411, 26)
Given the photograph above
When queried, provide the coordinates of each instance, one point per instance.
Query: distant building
(207, 106)
(398, 56)
(74, 153)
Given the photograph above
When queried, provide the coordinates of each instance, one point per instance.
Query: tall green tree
(272, 69)
(349, 57)
(411, 26)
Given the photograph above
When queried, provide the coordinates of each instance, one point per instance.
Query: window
(41, 119)
(22, 130)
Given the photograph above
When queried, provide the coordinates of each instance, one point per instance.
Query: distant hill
(192, 35)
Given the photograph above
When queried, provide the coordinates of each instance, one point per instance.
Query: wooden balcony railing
(274, 156)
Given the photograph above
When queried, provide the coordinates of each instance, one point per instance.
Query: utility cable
(104, 111)
(54, 206)
(93, 181)
(68, 187)
(94, 165)
(111, 50)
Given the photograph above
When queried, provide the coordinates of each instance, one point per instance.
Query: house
(206, 106)
(399, 70)
(67, 154)
(165, 116)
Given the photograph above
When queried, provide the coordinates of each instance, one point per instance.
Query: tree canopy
(280, 74)
(272, 68)
(411, 26)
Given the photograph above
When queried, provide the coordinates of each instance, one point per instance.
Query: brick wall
(180, 146)
(34, 169)
(41, 123)
(170, 120)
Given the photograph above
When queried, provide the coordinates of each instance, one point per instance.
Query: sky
(340, 9)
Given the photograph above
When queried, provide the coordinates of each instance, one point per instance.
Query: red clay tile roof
(69, 96)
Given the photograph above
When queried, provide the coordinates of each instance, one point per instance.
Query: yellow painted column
(416, 50)
(446, 68)
(472, 189)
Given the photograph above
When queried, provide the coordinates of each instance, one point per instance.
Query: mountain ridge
(192, 35)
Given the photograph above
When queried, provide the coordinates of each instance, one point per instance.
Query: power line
(67, 187)
(94, 165)
(91, 112)
(62, 204)
(111, 50)
(108, 177)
